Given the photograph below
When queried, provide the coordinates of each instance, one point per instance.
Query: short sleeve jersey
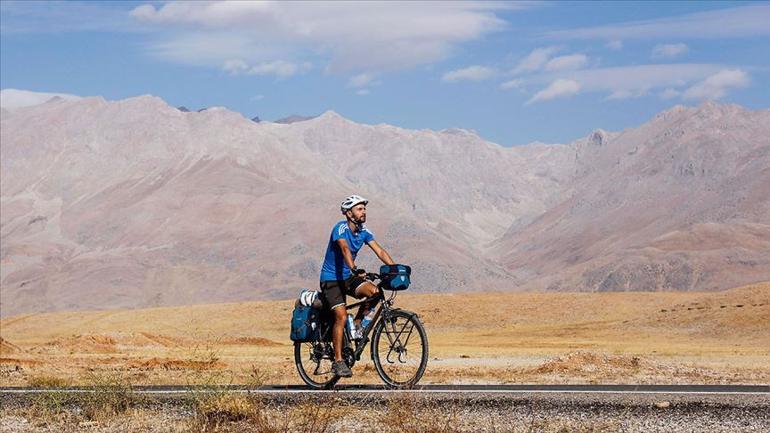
(334, 267)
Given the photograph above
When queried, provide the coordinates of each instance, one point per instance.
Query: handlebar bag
(395, 277)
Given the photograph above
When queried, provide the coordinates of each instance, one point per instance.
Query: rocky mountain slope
(135, 203)
(680, 203)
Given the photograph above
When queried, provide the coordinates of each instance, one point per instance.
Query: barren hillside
(680, 203)
(135, 203)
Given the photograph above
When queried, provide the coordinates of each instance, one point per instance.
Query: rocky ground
(399, 412)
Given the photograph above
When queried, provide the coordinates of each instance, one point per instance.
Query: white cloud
(235, 66)
(558, 89)
(278, 68)
(638, 79)
(360, 80)
(615, 44)
(11, 99)
(669, 93)
(743, 21)
(512, 84)
(471, 73)
(626, 94)
(213, 50)
(535, 60)
(563, 63)
(63, 16)
(668, 51)
(350, 36)
(717, 85)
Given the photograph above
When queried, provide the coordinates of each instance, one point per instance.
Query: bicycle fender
(409, 313)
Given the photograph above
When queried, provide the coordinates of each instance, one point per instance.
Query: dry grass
(530, 337)
(112, 396)
(238, 412)
(47, 381)
(225, 411)
(216, 412)
(411, 414)
(567, 425)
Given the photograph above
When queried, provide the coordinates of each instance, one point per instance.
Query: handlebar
(372, 276)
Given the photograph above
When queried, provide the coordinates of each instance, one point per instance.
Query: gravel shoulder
(416, 412)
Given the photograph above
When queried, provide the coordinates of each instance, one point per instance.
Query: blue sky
(514, 72)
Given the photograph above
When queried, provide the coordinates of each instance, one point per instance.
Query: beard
(358, 221)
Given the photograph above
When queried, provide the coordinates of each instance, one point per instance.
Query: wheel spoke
(314, 361)
(397, 344)
(401, 356)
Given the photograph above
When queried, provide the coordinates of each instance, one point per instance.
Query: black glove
(358, 271)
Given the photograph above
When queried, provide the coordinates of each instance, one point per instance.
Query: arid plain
(631, 337)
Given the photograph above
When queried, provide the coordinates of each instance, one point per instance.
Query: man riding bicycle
(340, 276)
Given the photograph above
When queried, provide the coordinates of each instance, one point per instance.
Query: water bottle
(365, 322)
(367, 319)
(352, 327)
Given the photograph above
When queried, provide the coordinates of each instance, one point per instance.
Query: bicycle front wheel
(400, 349)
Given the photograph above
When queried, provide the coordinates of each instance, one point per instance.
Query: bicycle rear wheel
(314, 364)
(400, 349)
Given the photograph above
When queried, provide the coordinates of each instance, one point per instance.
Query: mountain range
(134, 203)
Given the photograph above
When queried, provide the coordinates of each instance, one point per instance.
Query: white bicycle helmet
(351, 201)
(307, 297)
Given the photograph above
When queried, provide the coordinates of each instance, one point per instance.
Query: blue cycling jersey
(334, 267)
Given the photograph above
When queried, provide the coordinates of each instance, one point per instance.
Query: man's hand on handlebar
(371, 276)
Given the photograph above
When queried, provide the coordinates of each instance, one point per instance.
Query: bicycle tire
(401, 319)
(303, 359)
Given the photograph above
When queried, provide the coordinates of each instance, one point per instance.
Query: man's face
(358, 213)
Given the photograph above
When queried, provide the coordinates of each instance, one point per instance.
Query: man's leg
(365, 290)
(340, 314)
(335, 300)
(339, 367)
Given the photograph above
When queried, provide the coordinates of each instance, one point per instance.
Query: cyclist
(340, 276)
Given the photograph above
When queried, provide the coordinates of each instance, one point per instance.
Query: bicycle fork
(396, 344)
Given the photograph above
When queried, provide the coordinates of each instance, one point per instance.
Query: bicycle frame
(382, 304)
(383, 307)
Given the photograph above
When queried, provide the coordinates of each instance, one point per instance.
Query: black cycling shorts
(334, 291)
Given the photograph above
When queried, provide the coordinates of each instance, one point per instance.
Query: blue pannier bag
(395, 277)
(305, 323)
